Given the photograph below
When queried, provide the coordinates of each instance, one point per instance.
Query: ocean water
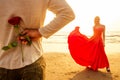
(58, 42)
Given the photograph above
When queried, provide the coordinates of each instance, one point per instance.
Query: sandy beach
(61, 66)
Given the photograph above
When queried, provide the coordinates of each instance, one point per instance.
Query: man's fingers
(25, 32)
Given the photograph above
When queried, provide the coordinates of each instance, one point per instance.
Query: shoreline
(109, 48)
(61, 66)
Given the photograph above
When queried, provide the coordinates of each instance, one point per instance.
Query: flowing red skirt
(87, 51)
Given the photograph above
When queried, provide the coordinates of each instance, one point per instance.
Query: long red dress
(88, 51)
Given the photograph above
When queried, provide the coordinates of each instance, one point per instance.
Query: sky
(86, 10)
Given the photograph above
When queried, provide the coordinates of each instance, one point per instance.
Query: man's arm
(64, 15)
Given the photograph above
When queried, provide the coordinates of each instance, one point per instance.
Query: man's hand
(34, 34)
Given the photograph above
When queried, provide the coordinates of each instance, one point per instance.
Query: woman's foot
(108, 69)
(88, 67)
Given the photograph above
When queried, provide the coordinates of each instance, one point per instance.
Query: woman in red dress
(89, 52)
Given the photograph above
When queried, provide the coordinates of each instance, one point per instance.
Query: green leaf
(9, 45)
(6, 48)
(29, 40)
(29, 43)
(14, 44)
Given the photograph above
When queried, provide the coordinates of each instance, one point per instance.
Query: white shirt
(32, 13)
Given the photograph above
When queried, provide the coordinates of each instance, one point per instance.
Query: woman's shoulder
(102, 25)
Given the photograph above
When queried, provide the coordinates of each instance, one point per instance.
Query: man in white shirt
(32, 15)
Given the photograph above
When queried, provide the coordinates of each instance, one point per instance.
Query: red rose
(14, 20)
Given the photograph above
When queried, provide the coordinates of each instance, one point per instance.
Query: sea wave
(58, 42)
(61, 38)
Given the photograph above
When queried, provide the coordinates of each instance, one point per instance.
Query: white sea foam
(58, 42)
